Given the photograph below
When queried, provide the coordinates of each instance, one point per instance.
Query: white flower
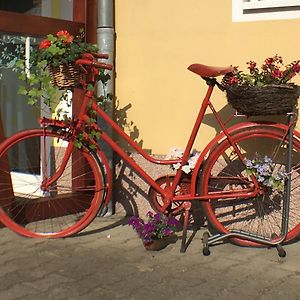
(186, 169)
(177, 153)
(176, 166)
(193, 160)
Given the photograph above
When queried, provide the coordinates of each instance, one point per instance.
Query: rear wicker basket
(65, 76)
(265, 100)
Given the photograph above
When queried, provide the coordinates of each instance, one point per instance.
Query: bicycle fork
(275, 241)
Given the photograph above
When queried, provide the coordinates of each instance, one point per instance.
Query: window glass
(62, 9)
(16, 114)
(24, 6)
(253, 10)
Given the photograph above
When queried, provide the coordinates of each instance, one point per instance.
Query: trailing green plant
(37, 84)
(88, 132)
(62, 48)
(38, 87)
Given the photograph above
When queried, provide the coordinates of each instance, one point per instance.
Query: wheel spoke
(259, 215)
(68, 205)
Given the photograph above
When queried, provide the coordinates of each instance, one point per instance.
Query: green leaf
(90, 87)
(78, 144)
(22, 90)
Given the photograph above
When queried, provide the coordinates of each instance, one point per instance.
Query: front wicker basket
(264, 100)
(65, 76)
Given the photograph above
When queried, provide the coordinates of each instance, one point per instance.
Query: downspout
(106, 44)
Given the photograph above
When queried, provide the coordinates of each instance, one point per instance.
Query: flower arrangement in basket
(52, 66)
(264, 91)
(157, 232)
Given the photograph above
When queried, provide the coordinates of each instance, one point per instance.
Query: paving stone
(108, 261)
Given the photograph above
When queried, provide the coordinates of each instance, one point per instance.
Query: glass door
(16, 113)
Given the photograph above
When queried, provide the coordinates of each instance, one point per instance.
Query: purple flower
(167, 232)
(173, 222)
(266, 172)
(157, 226)
(135, 221)
(149, 228)
(249, 163)
(158, 217)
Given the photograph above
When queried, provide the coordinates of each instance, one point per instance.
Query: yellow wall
(158, 39)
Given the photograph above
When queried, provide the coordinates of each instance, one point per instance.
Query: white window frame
(256, 10)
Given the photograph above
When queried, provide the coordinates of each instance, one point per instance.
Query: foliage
(264, 169)
(61, 48)
(272, 71)
(87, 131)
(158, 226)
(37, 84)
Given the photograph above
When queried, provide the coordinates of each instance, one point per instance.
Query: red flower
(273, 60)
(44, 44)
(252, 65)
(277, 73)
(65, 36)
(234, 80)
(296, 68)
(269, 61)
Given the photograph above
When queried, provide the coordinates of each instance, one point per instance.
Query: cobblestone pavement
(107, 261)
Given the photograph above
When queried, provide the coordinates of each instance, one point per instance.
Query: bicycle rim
(260, 215)
(67, 206)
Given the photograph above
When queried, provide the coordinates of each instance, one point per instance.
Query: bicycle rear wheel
(68, 205)
(224, 171)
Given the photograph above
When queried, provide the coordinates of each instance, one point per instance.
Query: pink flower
(233, 80)
(252, 65)
(44, 44)
(272, 71)
(277, 73)
(269, 61)
(296, 68)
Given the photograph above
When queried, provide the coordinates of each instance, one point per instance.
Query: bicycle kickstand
(187, 206)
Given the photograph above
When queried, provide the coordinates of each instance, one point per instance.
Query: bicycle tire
(68, 205)
(261, 215)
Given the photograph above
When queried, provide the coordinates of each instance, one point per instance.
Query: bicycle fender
(232, 130)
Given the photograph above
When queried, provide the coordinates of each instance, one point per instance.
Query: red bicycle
(52, 188)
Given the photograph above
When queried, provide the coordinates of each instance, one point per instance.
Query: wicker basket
(65, 76)
(265, 100)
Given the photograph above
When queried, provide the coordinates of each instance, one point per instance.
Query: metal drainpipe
(106, 44)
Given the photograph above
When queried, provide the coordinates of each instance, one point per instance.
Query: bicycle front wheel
(68, 205)
(223, 172)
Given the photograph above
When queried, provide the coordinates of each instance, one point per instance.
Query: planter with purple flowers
(157, 232)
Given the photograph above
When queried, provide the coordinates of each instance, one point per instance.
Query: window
(254, 10)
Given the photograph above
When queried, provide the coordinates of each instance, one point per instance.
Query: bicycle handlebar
(100, 55)
(88, 59)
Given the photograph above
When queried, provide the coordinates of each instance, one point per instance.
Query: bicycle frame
(169, 195)
(230, 190)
